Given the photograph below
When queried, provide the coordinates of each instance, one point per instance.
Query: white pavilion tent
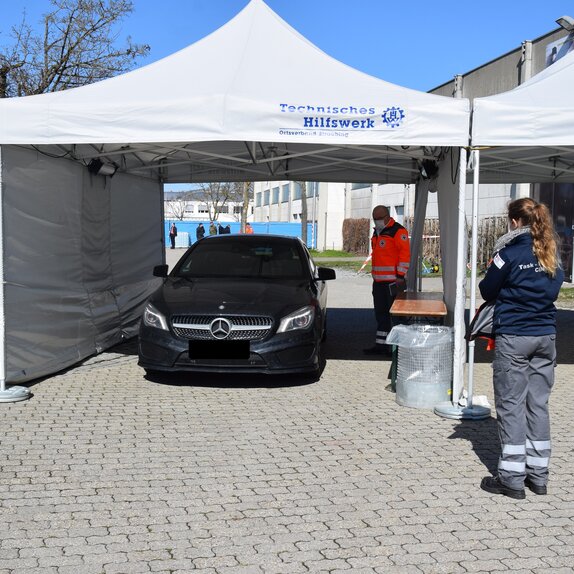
(78, 246)
(524, 135)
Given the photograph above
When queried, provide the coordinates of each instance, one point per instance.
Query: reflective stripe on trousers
(523, 377)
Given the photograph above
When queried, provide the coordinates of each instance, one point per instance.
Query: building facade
(196, 210)
(282, 201)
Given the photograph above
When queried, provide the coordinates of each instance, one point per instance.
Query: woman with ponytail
(524, 279)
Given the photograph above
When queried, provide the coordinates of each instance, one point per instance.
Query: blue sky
(417, 44)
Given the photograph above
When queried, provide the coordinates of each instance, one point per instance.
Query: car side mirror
(326, 273)
(160, 271)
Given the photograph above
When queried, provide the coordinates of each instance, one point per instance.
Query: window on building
(275, 195)
(360, 185)
(266, 197)
(258, 199)
(189, 208)
(296, 191)
(285, 193)
(237, 209)
(224, 209)
(203, 209)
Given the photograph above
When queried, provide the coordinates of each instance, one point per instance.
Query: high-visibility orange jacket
(391, 252)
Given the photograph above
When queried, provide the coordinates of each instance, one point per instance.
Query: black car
(237, 303)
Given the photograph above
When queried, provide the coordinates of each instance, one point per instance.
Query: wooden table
(418, 306)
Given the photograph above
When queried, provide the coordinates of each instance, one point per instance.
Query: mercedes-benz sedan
(237, 303)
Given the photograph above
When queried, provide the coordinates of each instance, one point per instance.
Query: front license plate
(218, 350)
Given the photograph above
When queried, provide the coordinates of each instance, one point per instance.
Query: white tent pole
(12, 394)
(2, 316)
(460, 302)
(473, 264)
(454, 410)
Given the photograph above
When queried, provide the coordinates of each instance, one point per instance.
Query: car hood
(237, 296)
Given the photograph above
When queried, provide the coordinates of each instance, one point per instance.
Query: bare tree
(175, 208)
(216, 195)
(247, 192)
(304, 213)
(77, 46)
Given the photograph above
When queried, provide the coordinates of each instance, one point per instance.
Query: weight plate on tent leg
(450, 411)
(14, 394)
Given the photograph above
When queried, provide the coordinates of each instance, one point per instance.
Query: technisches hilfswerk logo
(331, 120)
(393, 117)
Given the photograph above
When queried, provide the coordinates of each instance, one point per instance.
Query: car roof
(258, 237)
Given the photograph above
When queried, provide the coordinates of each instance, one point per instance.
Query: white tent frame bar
(329, 164)
(529, 161)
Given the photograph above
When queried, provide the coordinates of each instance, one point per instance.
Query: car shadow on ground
(230, 380)
(349, 331)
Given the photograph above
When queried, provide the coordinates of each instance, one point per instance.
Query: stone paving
(105, 471)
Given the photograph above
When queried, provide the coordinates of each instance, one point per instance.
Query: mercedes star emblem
(220, 328)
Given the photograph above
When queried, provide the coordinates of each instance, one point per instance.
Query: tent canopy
(252, 101)
(528, 133)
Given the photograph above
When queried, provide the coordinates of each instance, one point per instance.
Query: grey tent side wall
(78, 253)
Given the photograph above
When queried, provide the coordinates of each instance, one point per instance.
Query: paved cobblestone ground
(104, 471)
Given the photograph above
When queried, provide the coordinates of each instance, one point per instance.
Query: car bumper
(296, 352)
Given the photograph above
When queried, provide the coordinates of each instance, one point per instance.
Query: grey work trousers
(523, 374)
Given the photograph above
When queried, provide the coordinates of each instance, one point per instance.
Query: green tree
(77, 46)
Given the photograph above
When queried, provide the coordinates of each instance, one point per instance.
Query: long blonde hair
(544, 241)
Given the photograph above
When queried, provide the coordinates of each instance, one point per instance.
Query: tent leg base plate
(450, 411)
(14, 394)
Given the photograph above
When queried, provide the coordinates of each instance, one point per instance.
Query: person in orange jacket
(391, 254)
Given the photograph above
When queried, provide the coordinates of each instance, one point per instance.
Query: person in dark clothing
(524, 280)
(199, 231)
(172, 235)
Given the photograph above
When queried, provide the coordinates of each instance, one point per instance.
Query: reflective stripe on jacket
(391, 253)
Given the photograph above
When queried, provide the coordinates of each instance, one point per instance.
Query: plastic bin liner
(424, 365)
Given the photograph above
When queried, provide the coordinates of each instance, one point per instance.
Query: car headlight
(300, 319)
(153, 318)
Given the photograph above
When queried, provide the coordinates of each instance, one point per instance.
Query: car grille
(197, 327)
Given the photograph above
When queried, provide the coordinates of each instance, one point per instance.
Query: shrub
(357, 236)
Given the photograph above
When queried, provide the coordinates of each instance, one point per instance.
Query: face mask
(380, 225)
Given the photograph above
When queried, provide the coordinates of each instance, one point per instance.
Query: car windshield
(236, 257)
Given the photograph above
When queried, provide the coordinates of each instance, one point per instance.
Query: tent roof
(254, 100)
(535, 124)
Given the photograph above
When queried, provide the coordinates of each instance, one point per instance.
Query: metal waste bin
(424, 364)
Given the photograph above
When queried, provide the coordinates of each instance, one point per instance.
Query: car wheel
(315, 374)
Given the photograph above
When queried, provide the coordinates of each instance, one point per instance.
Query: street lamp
(566, 22)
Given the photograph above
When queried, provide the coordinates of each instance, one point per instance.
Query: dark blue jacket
(524, 293)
